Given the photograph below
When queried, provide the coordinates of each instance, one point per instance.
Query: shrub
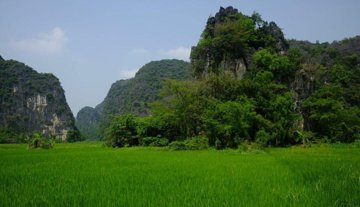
(146, 141)
(262, 138)
(251, 147)
(304, 137)
(122, 131)
(39, 141)
(177, 145)
(10, 136)
(194, 143)
(74, 136)
(154, 141)
(218, 144)
(197, 143)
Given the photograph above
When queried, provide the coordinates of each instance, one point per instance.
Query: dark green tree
(74, 136)
(122, 131)
(329, 117)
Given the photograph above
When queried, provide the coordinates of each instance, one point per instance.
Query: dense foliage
(74, 136)
(122, 131)
(31, 102)
(230, 38)
(305, 94)
(37, 140)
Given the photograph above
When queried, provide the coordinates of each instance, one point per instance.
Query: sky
(91, 44)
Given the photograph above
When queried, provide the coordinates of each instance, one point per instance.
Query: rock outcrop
(303, 84)
(32, 102)
(229, 40)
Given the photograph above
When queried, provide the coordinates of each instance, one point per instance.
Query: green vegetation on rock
(132, 95)
(31, 102)
(247, 88)
(250, 87)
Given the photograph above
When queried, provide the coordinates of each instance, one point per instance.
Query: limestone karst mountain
(132, 95)
(31, 102)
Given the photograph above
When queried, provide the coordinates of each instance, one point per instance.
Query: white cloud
(139, 51)
(51, 42)
(181, 53)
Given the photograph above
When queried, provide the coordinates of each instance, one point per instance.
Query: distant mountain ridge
(31, 102)
(132, 95)
(87, 121)
(325, 52)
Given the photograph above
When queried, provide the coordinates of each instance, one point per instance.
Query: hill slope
(252, 87)
(31, 101)
(87, 121)
(133, 95)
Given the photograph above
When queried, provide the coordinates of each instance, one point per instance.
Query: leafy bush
(253, 147)
(146, 141)
(154, 141)
(122, 131)
(194, 143)
(262, 137)
(306, 138)
(74, 136)
(177, 145)
(39, 141)
(9, 136)
(197, 143)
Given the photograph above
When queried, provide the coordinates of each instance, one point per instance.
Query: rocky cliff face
(133, 95)
(32, 102)
(229, 40)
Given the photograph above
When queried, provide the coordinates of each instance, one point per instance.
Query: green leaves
(228, 123)
(74, 136)
(230, 37)
(279, 65)
(264, 104)
(121, 131)
(329, 116)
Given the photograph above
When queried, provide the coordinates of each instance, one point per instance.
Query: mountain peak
(133, 95)
(32, 102)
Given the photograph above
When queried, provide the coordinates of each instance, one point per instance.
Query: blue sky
(90, 44)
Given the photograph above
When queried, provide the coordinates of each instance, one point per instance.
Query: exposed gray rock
(32, 102)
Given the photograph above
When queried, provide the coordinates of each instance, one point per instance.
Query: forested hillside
(31, 102)
(132, 95)
(87, 121)
(252, 85)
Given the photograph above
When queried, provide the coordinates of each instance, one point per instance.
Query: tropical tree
(122, 131)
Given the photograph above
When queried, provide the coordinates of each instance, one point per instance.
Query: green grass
(87, 174)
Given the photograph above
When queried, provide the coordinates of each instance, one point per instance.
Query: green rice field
(88, 174)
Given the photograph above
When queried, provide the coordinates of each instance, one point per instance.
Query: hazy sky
(90, 44)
